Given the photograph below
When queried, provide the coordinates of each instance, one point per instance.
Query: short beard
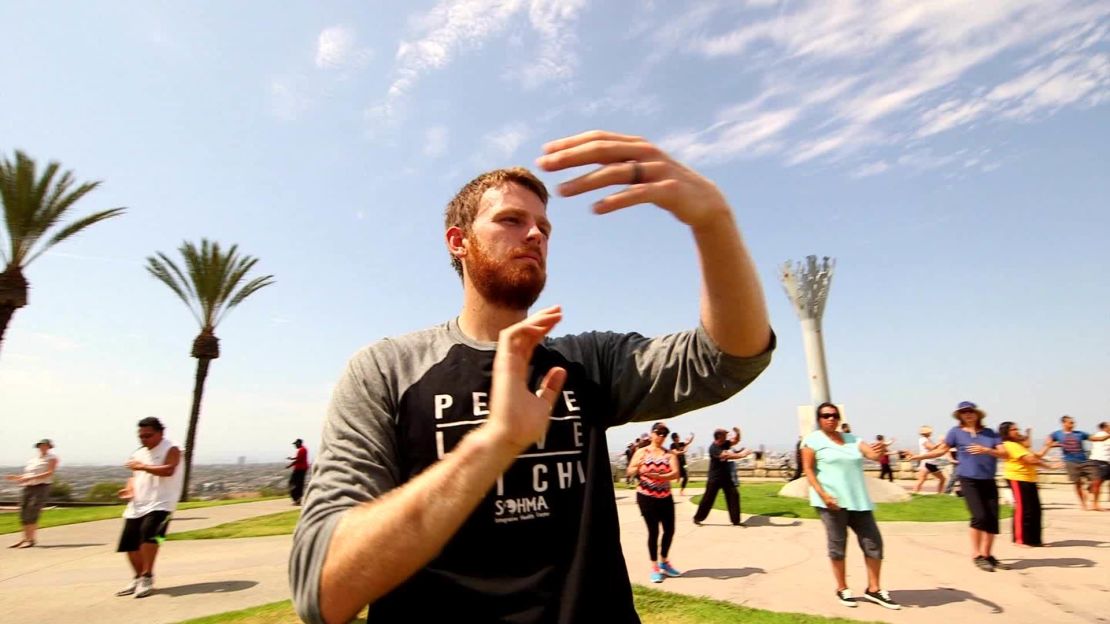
(512, 286)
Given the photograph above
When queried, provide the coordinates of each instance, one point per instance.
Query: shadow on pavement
(940, 596)
(1079, 542)
(68, 545)
(765, 521)
(1062, 562)
(218, 587)
(722, 574)
(179, 519)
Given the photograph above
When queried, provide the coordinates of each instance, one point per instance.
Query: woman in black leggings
(656, 468)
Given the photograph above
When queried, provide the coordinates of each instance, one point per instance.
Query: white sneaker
(845, 597)
(144, 587)
(129, 588)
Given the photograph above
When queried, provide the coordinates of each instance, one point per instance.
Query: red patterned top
(650, 484)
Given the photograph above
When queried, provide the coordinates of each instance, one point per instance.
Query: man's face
(506, 257)
(149, 436)
(1068, 424)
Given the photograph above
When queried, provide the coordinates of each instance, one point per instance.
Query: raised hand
(651, 176)
(519, 415)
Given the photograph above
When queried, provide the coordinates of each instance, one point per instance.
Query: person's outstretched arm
(407, 527)
(733, 310)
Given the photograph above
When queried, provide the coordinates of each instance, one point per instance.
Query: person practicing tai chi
(679, 447)
(1020, 470)
(928, 468)
(1070, 440)
(979, 449)
(151, 493)
(655, 468)
(833, 464)
(299, 464)
(721, 478)
(885, 471)
(1100, 458)
(463, 470)
(36, 478)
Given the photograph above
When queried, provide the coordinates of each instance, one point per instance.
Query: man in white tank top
(152, 493)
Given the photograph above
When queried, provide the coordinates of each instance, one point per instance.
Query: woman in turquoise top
(833, 463)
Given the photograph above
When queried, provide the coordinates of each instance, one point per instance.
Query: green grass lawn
(654, 607)
(281, 523)
(9, 522)
(762, 499)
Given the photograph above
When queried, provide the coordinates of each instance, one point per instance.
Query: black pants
(683, 475)
(657, 512)
(1027, 513)
(732, 498)
(296, 485)
(981, 496)
(885, 471)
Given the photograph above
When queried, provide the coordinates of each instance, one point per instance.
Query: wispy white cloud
(453, 27)
(870, 169)
(842, 78)
(556, 61)
(435, 141)
(336, 47)
(499, 146)
(337, 54)
(504, 142)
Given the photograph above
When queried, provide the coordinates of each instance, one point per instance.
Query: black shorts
(931, 467)
(1103, 469)
(981, 496)
(148, 529)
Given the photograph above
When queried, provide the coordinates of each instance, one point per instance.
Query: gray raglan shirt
(544, 544)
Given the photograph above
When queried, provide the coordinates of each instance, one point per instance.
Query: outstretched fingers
(586, 137)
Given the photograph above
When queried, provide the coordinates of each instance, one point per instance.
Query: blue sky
(952, 156)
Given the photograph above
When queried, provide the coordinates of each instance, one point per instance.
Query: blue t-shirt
(839, 471)
(1072, 445)
(974, 466)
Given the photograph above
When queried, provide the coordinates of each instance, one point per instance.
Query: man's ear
(456, 242)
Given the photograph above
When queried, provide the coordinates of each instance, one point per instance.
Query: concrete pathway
(774, 563)
(74, 573)
(781, 564)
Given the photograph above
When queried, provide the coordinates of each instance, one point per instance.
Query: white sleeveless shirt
(151, 492)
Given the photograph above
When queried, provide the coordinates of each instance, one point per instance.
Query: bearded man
(464, 469)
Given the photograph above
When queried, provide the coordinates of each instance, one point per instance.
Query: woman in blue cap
(978, 449)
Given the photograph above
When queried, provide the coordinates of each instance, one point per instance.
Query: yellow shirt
(1014, 469)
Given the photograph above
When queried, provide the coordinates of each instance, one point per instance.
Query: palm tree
(211, 285)
(33, 205)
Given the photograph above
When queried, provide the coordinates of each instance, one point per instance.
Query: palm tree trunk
(6, 312)
(194, 416)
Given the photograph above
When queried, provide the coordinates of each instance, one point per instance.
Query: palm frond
(158, 268)
(209, 279)
(247, 290)
(74, 228)
(34, 203)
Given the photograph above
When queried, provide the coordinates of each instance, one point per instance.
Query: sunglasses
(826, 415)
(661, 432)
